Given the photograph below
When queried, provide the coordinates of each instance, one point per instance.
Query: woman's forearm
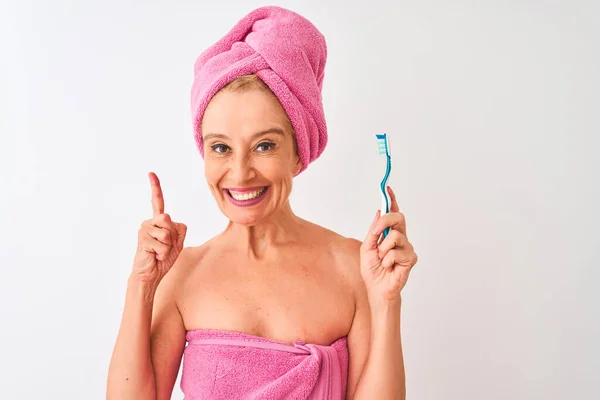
(383, 374)
(130, 374)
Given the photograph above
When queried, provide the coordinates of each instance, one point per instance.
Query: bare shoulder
(190, 257)
(345, 250)
(347, 255)
(188, 261)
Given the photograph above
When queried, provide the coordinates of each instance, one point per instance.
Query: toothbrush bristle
(382, 143)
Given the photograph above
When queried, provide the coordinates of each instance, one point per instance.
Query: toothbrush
(383, 142)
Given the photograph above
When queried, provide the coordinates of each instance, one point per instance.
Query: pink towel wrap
(288, 53)
(221, 365)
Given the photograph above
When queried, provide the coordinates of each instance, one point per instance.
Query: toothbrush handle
(384, 210)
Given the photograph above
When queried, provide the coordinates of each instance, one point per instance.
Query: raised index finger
(158, 202)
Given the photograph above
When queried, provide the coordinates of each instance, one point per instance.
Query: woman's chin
(247, 216)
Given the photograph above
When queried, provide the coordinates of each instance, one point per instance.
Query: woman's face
(249, 153)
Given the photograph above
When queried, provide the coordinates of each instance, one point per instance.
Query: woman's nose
(242, 170)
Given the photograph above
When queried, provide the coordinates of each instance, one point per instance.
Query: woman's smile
(245, 197)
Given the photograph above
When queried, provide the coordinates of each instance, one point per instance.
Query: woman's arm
(130, 373)
(385, 264)
(376, 367)
(376, 364)
(149, 345)
(151, 338)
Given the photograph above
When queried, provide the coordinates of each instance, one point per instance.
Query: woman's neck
(260, 239)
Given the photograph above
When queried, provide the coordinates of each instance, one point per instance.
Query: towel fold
(288, 53)
(221, 365)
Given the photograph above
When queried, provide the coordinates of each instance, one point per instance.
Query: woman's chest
(312, 303)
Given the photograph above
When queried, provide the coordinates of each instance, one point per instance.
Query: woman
(274, 306)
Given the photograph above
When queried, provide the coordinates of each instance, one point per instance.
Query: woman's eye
(220, 148)
(265, 146)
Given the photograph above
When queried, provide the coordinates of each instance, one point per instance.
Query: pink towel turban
(288, 53)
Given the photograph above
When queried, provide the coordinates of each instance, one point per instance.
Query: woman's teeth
(246, 195)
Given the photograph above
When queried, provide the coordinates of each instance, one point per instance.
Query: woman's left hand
(386, 264)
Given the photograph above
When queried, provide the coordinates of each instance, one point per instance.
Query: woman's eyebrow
(211, 135)
(214, 136)
(277, 131)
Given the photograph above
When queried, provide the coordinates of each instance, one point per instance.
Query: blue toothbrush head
(383, 144)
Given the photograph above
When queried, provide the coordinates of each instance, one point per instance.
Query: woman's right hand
(160, 241)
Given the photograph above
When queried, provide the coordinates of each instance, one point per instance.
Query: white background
(494, 112)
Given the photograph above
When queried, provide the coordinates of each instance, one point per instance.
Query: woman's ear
(297, 167)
